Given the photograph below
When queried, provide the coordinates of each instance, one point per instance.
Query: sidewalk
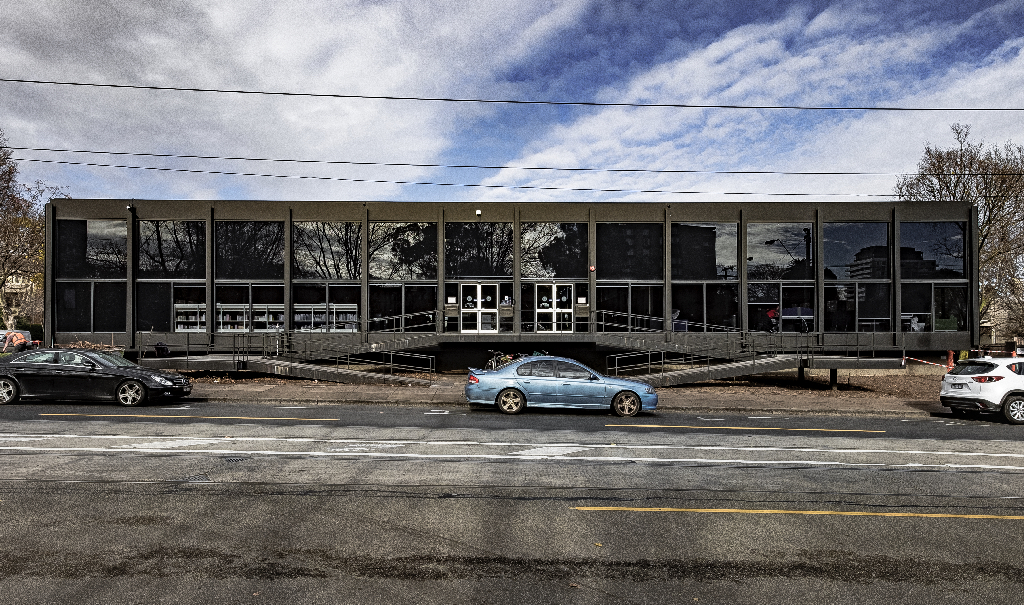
(676, 399)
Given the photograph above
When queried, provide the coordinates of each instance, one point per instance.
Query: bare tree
(991, 178)
(22, 240)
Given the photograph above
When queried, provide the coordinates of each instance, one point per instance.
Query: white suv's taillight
(984, 379)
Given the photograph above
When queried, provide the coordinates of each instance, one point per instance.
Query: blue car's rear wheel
(511, 401)
(626, 404)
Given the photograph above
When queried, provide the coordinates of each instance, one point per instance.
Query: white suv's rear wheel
(1013, 409)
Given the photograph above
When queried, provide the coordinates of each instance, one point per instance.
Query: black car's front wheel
(626, 404)
(131, 393)
(8, 391)
(511, 401)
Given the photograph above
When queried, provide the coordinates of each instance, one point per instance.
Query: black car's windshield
(113, 361)
(972, 368)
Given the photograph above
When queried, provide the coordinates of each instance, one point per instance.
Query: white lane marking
(536, 445)
(24, 438)
(759, 417)
(291, 407)
(166, 444)
(699, 418)
(184, 407)
(441, 412)
(549, 451)
(386, 455)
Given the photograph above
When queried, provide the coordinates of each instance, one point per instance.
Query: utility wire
(502, 101)
(412, 165)
(437, 184)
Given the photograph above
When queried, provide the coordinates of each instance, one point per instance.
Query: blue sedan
(550, 382)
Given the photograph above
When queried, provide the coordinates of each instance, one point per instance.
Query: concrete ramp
(723, 370)
(329, 374)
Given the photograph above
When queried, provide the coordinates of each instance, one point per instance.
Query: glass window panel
(571, 371)
(631, 251)
(543, 369)
(840, 307)
(556, 250)
(856, 250)
(932, 250)
(420, 308)
(763, 306)
(723, 306)
(109, 300)
(489, 296)
(309, 294)
(153, 306)
(73, 306)
(403, 251)
(478, 250)
(326, 250)
(704, 250)
(874, 307)
(950, 309)
(96, 249)
(344, 303)
(687, 307)
(250, 250)
(797, 309)
(612, 308)
(916, 308)
(647, 307)
(527, 307)
(385, 307)
(189, 308)
(172, 249)
(780, 251)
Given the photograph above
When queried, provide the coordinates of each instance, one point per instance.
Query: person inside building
(15, 340)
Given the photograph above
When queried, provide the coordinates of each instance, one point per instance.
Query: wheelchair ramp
(327, 373)
(723, 370)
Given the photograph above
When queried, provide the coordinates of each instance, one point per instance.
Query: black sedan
(66, 374)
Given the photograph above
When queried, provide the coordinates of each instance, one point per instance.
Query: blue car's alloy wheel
(511, 401)
(626, 404)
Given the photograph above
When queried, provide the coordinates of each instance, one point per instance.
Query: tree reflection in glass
(172, 249)
(933, 250)
(478, 250)
(92, 249)
(555, 250)
(250, 250)
(326, 250)
(404, 251)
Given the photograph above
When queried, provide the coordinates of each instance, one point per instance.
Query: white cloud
(787, 62)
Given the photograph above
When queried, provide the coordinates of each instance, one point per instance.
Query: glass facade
(785, 281)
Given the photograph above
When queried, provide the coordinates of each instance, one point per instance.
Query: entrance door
(554, 308)
(478, 308)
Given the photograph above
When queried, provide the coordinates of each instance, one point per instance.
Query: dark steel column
(288, 271)
(211, 236)
(666, 293)
(975, 284)
(592, 262)
(440, 270)
(133, 261)
(741, 272)
(517, 246)
(897, 290)
(819, 275)
(364, 276)
(49, 273)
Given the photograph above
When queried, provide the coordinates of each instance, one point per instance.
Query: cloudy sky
(608, 55)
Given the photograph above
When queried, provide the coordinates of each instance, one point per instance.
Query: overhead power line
(440, 184)
(475, 166)
(499, 101)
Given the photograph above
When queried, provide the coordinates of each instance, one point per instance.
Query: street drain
(234, 459)
(197, 479)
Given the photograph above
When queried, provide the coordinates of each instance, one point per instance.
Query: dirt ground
(908, 387)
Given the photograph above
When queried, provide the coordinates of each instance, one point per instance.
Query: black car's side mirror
(90, 366)
(592, 377)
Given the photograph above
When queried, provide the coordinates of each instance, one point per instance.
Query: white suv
(986, 384)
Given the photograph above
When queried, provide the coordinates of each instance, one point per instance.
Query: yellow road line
(792, 512)
(742, 428)
(183, 416)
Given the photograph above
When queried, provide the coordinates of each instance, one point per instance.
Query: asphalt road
(250, 503)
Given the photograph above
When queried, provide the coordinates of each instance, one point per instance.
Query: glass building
(897, 274)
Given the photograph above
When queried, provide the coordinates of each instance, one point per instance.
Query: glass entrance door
(478, 312)
(554, 308)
